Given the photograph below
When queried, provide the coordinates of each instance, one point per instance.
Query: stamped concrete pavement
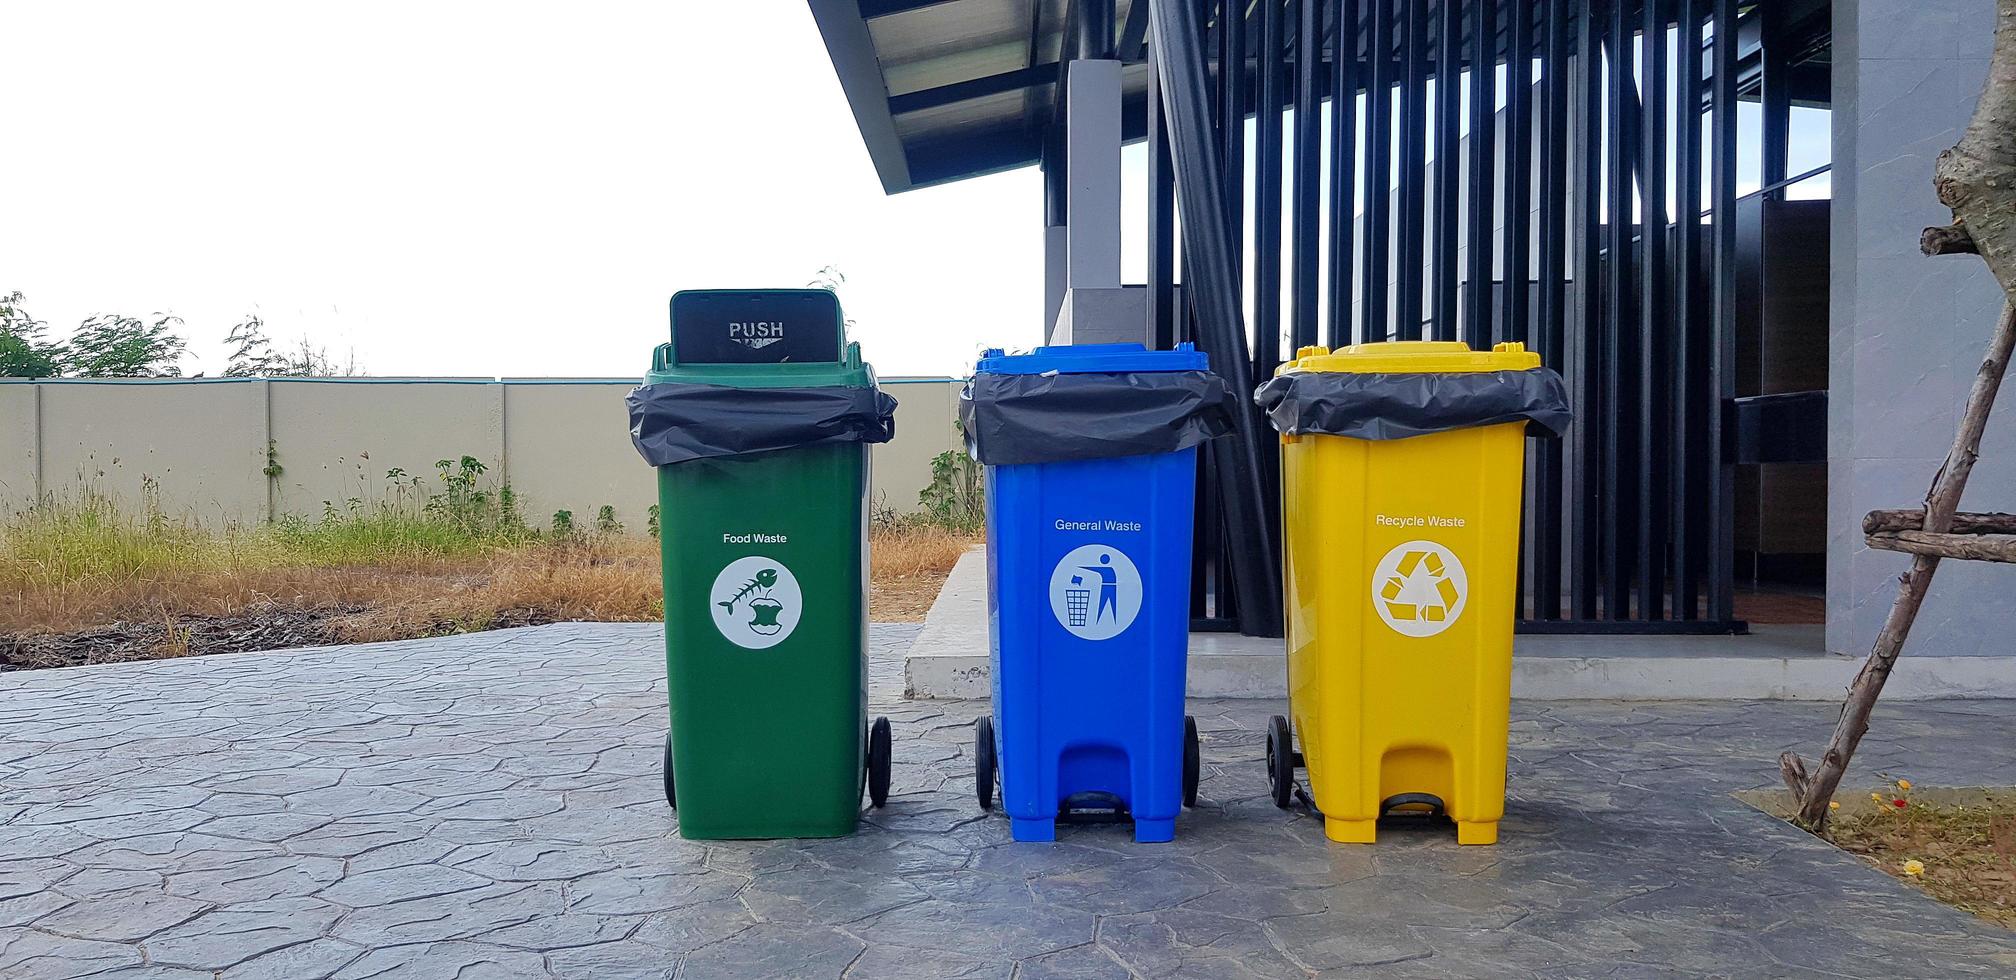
(489, 806)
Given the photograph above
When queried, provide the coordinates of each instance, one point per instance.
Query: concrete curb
(950, 654)
(949, 659)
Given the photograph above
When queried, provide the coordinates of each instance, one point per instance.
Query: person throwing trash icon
(1109, 589)
(1095, 591)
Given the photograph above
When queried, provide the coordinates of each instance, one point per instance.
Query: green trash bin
(758, 416)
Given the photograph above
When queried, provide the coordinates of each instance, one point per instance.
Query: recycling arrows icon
(1419, 588)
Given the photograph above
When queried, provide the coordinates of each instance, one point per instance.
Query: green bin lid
(759, 338)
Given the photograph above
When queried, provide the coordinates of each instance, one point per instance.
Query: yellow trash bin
(1402, 466)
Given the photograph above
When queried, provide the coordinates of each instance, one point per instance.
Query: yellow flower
(1876, 798)
(1904, 784)
(1915, 868)
(1833, 804)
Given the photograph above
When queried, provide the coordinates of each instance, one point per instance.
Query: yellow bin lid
(1413, 357)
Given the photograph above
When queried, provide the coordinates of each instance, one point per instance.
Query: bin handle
(1429, 800)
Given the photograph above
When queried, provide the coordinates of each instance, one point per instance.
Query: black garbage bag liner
(672, 422)
(1011, 419)
(1397, 406)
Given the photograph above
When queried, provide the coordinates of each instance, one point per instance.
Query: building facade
(1750, 379)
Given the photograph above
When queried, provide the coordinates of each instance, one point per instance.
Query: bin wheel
(1192, 761)
(985, 766)
(1280, 761)
(878, 762)
(671, 798)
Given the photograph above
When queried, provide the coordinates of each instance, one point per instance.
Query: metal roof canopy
(943, 90)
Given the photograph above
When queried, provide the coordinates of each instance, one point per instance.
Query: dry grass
(605, 579)
(1956, 845)
(907, 565)
(1963, 840)
(156, 587)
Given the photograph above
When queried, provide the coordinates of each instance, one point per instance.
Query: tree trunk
(1815, 791)
(1977, 177)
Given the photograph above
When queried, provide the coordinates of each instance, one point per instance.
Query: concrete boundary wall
(203, 447)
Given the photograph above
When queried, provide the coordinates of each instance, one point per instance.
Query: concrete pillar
(1095, 308)
(1056, 240)
(1092, 166)
(1907, 332)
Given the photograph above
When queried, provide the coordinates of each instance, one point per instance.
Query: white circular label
(756, 602)
(1419, 588)
(1095, 592)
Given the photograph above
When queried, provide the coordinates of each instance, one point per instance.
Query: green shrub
(954, 499)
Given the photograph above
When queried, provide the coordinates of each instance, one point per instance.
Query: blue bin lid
(1094, 359)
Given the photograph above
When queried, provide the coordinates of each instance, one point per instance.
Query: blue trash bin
(1088, 581)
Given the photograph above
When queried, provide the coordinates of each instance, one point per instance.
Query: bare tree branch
(1953, 239)
(1879, 521)
(1968, 547)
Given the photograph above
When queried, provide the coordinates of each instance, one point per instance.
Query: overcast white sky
(497, 188)
(476, 188)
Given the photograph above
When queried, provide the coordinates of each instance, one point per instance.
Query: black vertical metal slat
(1306, 221)
(1584, 570)
(1345, 80)
(1268, 204)
(1203, 553)
(1720, 487)
(1206, 526)
(1653, 306)
(1233, 88)
(1252, 514)
(1409, 255)
(1775, 96)
(1232, 124)
(1206, 537)
(1211, 20)
(1210, 596)
(1687, 332)
(1483, 183)
(1267, 201)
(1619, 415)
(1378, 173)
(1161, 219)
(1092, 21)
(1518, 249)
(1551, 323)
(1448, 169)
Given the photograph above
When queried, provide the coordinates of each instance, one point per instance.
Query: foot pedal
(1416, 804)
